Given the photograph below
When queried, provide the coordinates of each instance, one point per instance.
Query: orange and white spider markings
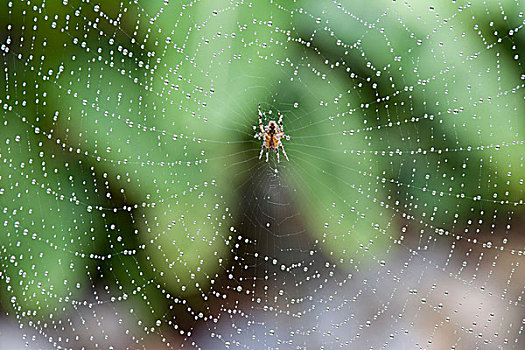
(272, 134)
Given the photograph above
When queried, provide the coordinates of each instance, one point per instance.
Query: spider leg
(258, 135)
(261, 120)
(280, 121)
(284, 136)
(262, 150)
(277, 151)
(267, 153)
(285, 156)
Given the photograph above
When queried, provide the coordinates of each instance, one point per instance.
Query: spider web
(136, 213)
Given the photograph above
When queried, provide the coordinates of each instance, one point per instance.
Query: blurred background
(136, 213)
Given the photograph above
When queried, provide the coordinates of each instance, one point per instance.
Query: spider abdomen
(271, 142)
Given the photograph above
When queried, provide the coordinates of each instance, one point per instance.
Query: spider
(272, 134)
